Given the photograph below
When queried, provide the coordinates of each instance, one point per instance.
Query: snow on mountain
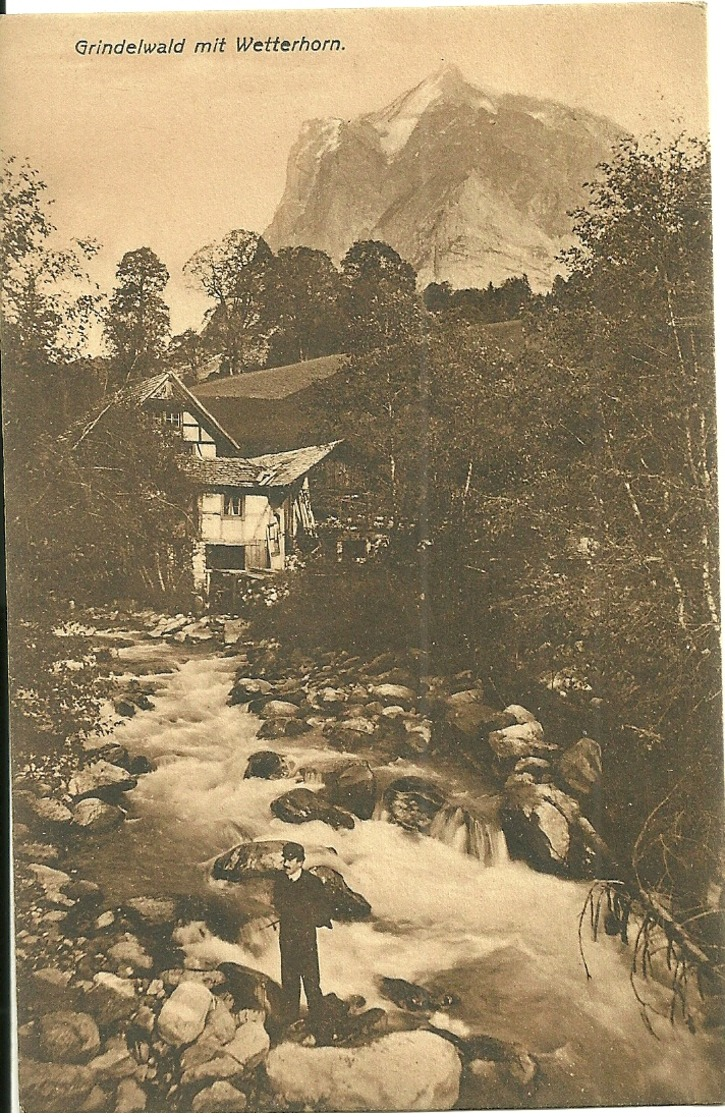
(396, 123)
(467, 185)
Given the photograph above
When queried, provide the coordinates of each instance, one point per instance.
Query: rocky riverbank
(115, 1014)
(120, 1006)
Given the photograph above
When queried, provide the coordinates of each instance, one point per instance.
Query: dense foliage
(562, 506)
(96, 506)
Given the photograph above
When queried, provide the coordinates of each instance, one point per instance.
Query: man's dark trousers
(300, 963)
(302, 907)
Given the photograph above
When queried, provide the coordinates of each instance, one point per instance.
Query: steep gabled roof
(267, 472)
(138, 394)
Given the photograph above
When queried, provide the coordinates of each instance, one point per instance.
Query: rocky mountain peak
(468, 185)
(447, 86)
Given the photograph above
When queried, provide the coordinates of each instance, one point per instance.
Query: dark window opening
(220, 557)
(233, 505)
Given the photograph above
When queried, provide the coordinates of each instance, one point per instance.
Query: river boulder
(545, 827)
(409, 1071)
(272, 729)
(115, 1060)
(534, 766)
(183, 1016)
(580, 767)
(100, 780)
(302, 805)
(277, 708)
(520, 714)
(129, 955)
(130, 1097)
(139, 765)
(252, 991)
(418, 736)
(53, 1087)
(54, 883)
(519, 740)
(393, 694)
(497, 1074)
(96, 816)
(414, 998)
(152, 911)
(296, 727)
(249, 1046)
(413, 803)
(68, 1037)
(328, 698)
(470, 718)
(220, 1097)
(244, 690)
(48, 811)
(220, 1027)
(111, 998)
(267, 765)
(353, 788)
(345, 904)
(351, 734)
(537, 821)
(251, 859)
(358, 724)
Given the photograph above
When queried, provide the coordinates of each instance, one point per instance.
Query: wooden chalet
(250, 510)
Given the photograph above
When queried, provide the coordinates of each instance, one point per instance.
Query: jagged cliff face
(468, 186)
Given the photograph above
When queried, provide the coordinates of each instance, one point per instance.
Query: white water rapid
(452, 914)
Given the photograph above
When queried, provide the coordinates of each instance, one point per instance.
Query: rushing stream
(450, 911)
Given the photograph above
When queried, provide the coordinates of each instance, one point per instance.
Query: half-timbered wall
(235, 518)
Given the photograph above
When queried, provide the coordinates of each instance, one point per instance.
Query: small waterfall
(456, 827)
(311, 777)
(380, 811)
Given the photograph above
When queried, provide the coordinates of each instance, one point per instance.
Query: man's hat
(293, 851)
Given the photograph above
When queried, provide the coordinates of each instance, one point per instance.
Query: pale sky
(174, 151)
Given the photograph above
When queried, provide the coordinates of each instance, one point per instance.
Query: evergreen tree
(136, 326)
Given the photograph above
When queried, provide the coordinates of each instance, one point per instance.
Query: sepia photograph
(362, 575)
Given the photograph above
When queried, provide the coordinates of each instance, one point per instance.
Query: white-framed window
(173, 418)
(233, 505)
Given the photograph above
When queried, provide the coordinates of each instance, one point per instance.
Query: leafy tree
(95, 505)
(305, 296)
(235, 274)
(377, 403)
(188, 353)
(380, 300)
(437, 296)
(104, 514)
(48, 307)
(136, 326)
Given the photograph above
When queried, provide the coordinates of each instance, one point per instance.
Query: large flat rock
(410, 1071)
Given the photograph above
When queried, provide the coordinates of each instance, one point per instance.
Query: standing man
(302, 907)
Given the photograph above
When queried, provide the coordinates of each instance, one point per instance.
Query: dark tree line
(512, 299)
(269, 310)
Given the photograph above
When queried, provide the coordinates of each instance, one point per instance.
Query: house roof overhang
(270, 471)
